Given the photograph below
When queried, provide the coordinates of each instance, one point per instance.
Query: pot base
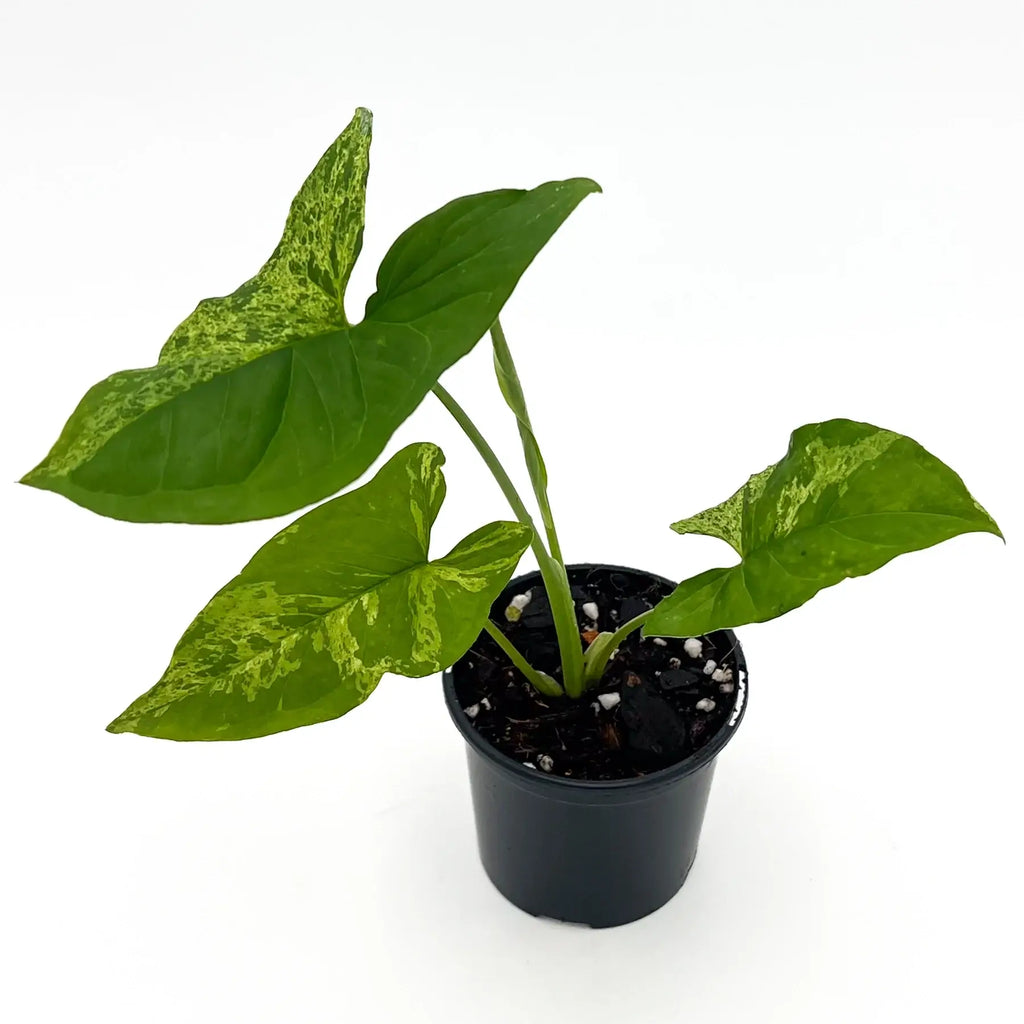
(595, 863)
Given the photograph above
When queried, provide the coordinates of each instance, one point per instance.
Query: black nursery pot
(596, 853)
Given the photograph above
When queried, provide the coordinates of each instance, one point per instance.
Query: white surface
(810, 210)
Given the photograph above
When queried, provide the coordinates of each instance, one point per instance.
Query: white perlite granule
(545, 762)
(707, 704)
(608, 700)
(590, 610)
(516, 606)
(693, 647)
(710, 667)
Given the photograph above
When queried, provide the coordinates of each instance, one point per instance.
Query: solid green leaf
(267, 400)
(847, 498)
(346, 593)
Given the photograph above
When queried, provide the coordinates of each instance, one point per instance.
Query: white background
(809, 210)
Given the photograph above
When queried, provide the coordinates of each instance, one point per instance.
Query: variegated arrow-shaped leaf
(268, 399)
(847, 498)
(346, 593)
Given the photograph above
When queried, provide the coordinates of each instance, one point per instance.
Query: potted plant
(593, 699)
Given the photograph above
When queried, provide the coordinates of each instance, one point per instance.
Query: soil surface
(656, 704)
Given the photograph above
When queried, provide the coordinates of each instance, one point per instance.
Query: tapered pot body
(597, 853)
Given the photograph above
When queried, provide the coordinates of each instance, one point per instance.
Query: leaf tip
(41, 480)
(589, 185)
(577, 186)
(427, 452)
(989, 525)
(127, 721)
(362, 120)
(31, 478)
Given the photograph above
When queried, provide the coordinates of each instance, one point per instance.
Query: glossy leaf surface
(346, 593)
(267, 399)
(847, 498)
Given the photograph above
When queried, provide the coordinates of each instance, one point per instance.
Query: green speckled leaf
(847, 498)
(267, 400)
(343, 595)
(206, 435)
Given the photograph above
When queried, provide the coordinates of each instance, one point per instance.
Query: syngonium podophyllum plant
(269, 399)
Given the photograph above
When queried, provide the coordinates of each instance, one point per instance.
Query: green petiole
(599, 653)
(541, 681)
(556, 582)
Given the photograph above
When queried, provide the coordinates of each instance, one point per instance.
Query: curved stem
(556, 583)
(603, 648)
(497, 469)
(540, 681)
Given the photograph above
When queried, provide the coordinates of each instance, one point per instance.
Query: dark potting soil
(662, 713)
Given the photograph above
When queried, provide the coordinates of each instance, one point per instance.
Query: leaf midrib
(315, 619)
(810, 528)
(290, 347)
(424, 563)
(447, 241)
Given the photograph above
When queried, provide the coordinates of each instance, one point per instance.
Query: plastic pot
(596, 853)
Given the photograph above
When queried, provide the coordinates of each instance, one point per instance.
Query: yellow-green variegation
(346, 593)
(268, 399)
(847, 498)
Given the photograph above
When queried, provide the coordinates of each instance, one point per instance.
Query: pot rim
(535, 779)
